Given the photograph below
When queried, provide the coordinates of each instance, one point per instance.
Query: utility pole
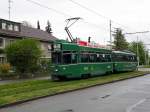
(9, 8)
(145, 57)
(110, 35)
(148, 56)
(137, 50)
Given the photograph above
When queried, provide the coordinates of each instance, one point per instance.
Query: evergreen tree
(120, 42)
(48, 27)
(38, 25)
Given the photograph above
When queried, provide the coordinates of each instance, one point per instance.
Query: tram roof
(75, 47)
(124, 52)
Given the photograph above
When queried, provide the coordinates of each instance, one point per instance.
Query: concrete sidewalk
(143, 69)
(22, 80)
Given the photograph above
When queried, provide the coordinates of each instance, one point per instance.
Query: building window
(16, 28)
(4, 26)
(10, 27)
(11, 41)
(1, 42)
(2, 60)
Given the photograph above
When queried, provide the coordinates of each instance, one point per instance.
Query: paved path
(21, 80)
(131, 95)
(143, 69)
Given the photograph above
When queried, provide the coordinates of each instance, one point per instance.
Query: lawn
(146, 66)
(22, 91)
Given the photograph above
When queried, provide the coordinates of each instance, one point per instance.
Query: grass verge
(146, 66)
(23, 91)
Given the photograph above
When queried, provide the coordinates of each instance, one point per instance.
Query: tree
(48, 27)
(23, 55)
(120, 42)
(28, 24)
(141, 51)
(38, 25)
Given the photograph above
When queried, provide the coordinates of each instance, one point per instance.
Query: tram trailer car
(74, 61)
(124, 61)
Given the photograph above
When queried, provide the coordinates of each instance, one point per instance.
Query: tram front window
(69, 57)
(56, 57)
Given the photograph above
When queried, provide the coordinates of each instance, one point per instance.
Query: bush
(23, 55)
(5, 68)
(45, 65)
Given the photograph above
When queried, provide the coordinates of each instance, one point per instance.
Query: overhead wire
(52, 9)
(94, 12)
(62, 13)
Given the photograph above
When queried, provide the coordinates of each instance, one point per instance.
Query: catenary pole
(110, 35)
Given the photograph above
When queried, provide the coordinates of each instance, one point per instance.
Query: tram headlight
(56, 70)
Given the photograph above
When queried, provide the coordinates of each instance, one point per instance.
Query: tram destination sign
(57, 47)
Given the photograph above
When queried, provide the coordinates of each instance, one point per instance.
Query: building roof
(27, 32)
(36, 33)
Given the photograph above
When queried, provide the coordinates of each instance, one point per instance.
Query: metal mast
(9, 8)
(110, 35)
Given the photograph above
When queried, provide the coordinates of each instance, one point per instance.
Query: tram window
(92, 57)
(130, 58)
(113, 57)
(134, 58)
(121, 58)
(102, 58)
(108, 58)
(125, 58)
(66, 58)
(117, 57)
(56, 57)
(97, 57)
(84, 57)
(74, 58)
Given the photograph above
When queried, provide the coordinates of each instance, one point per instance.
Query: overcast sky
(130, 15)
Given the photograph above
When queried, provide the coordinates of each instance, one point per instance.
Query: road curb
(67, 91)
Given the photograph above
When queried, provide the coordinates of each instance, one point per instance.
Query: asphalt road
(131, 95)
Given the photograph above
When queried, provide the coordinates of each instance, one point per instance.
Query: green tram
(73, 61)
(70, 60)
